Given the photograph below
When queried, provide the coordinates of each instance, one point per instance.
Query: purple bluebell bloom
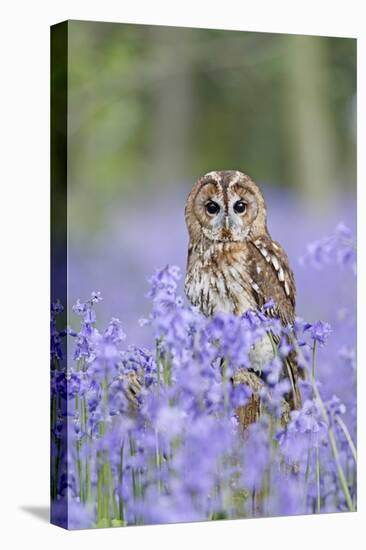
(178, 452)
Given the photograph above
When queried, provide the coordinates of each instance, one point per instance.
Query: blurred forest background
(153, 108)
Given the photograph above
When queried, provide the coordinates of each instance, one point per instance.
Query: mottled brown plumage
(233, 263)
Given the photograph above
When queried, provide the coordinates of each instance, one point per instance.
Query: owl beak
(227, 223)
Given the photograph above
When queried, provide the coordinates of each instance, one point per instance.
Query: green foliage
(153, 106)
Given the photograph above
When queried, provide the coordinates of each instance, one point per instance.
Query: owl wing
(272, 278)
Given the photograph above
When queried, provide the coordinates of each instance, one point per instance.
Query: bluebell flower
(320, 332)
(96, 297)
(79, 307)
(56, 308)
(181, 454)
(114, 331)
(335, 406)
(338, 249)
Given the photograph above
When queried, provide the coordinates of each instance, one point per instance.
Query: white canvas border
(25, 270)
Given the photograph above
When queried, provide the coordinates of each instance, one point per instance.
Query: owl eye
(240, 207)
(212, 207)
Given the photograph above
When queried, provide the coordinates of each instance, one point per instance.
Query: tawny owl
(234, 265)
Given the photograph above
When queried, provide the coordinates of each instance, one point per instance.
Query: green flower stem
(318, 500)
(120, 480)
(317, 464)
(84, 417)
(331, 436)
(80, 471)
(133, 473)
(100, 495)
(158, 459)
(103, 484)
(341, 476)
(333, 444)
(87, 481)
(307, 472)
(111, 494)
(167, 371)
(266, 486)
(115, 506)
(100, 459)
(106, 491)
(345, 430)
(101, 489)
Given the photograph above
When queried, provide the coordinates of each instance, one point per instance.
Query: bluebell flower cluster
(153, 436)
(336, 249)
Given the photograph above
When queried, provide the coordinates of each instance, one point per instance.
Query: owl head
(226, 206)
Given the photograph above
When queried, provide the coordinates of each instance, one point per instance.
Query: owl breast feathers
(233, 263)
